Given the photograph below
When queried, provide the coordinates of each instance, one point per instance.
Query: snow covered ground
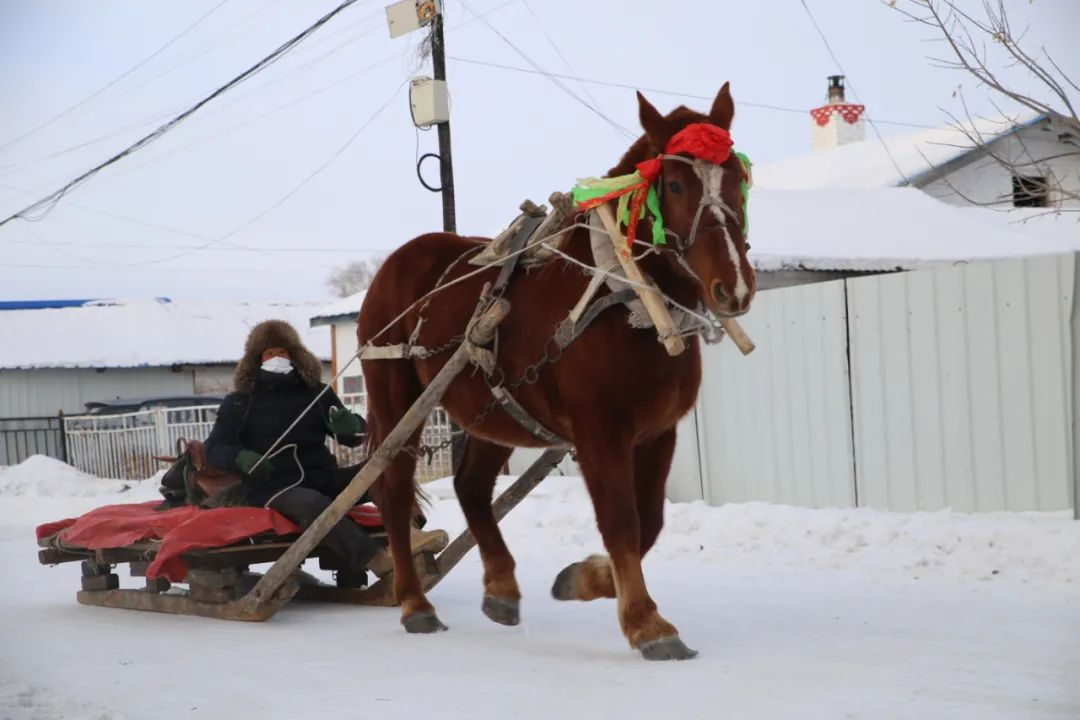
(796, 613)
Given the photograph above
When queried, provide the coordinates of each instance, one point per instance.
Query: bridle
(710, 198)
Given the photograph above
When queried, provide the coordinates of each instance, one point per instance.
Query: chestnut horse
(615, 394)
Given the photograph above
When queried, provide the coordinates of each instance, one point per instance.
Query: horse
(615, 394)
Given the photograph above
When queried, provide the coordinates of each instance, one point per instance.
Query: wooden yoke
(651, 298)
(480, 332)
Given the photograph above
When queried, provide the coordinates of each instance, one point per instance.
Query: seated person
(275, 381)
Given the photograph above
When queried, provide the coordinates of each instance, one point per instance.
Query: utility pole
(430, 103)
(446, 163)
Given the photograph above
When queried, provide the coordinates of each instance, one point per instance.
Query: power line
(555, 47)
(546, 74)
(159, 117)
(229, 247)
(287, 196)
(836, 60)
(243, 123)
(147, 224)
(114, 81)
(660, 91)
(42, 207)
(194, 270)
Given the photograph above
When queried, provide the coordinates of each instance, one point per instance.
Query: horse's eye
(675, 187)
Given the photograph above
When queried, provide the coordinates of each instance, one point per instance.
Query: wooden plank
(185, 605)
(654, 303)
(480, 332)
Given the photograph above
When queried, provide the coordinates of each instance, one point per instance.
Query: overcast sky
(135, 229)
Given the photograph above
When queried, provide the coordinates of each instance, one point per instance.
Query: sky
(311, 163)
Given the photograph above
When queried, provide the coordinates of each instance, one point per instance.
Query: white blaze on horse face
(712, 183)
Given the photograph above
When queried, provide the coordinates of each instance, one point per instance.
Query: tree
(984, 45)
(353, 277)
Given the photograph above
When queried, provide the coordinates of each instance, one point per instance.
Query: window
(1029, 191)
(353, 394)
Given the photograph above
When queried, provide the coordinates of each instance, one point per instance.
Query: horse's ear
(723, 108)
(654, 124)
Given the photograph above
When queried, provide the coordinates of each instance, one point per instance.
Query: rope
(546, 242)
(296, 459)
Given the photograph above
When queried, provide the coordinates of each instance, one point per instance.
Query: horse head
(700, 187)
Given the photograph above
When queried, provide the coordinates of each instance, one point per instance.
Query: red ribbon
(704, 141)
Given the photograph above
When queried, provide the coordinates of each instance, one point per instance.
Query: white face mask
(277, 365)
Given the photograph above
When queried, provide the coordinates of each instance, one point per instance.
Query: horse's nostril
(719, 295)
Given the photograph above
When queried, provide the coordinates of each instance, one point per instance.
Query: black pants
(346, 539)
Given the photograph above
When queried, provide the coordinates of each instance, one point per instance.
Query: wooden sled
(220, 588)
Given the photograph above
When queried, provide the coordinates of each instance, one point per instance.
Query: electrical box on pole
(407, 15)
(429, 98)
(430, 102)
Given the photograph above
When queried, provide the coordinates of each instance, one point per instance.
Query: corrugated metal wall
(961, 386)
(960, 394)
(46, 392)
(775, 425)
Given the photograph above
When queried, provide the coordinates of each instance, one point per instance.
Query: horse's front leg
(592, 578)
(607, 461)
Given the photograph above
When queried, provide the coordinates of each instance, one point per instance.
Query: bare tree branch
(971, 36)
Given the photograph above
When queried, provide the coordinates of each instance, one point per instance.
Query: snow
(144, 333)
(348, 306)
(797, 613)
(891, 229)
(866, 164)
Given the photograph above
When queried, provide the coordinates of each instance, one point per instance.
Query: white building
(1021, 161)
(952, 385)
(55, 360)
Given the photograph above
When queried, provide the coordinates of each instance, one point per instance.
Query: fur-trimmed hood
(275, 333)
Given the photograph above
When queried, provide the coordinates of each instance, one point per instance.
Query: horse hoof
(502, 611)
(423, 622)
(563, 587)
(668, 648)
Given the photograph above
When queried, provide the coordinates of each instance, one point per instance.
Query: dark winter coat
(264, 405)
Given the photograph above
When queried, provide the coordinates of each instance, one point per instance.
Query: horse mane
(643, 149)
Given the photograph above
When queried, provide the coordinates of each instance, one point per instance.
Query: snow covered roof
(143, 333)
(347, 308)
(866, 164)
(886, 229)
(866, 230)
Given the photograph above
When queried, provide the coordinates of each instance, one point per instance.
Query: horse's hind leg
(392, 388)
(592, 578)
(473, 483)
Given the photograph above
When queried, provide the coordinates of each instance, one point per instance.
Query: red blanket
(180, 530)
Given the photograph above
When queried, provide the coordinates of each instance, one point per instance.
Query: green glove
(245, 461)
(344, 422)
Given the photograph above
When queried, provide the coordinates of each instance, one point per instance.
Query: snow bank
(44, 477)
(1042, 548)
(1039, 548)
(557, 519)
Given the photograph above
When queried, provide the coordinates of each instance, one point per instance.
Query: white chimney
(837, 122)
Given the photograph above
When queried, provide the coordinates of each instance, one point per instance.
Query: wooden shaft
(738, 335)
(480, 333)
(654, 303)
